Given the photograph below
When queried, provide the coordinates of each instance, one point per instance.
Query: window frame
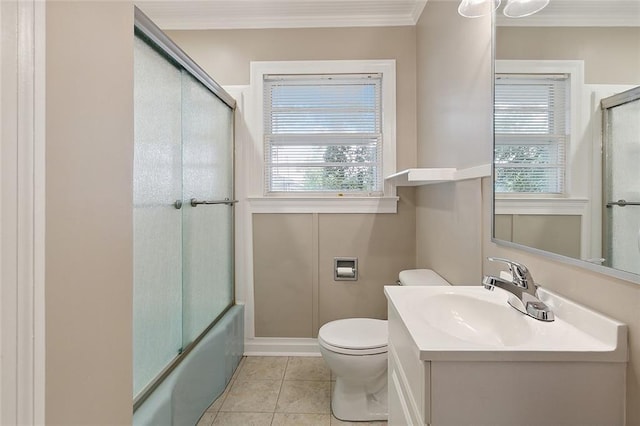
(263, 202)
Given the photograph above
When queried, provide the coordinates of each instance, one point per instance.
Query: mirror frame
(604, 270)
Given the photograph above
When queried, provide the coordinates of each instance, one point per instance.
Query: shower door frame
(606, 104)
(154, 35)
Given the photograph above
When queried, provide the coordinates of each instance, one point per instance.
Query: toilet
(355, 349)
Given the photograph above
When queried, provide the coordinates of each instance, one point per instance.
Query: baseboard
(279, 346)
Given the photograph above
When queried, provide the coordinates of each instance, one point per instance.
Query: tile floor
(277, 391)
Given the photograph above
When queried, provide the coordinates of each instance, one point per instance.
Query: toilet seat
(355, 336)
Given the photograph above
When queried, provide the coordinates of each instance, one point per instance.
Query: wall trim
(281, 346)
(533, 206)
(22, 217)
(323, 204)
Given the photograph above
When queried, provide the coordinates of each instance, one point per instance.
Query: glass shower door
(207, 228)
(183, 211)
(622, 182)
(157, 184)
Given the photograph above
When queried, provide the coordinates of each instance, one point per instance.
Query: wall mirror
(567, 133)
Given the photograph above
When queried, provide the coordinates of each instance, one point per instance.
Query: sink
(475, 319)
(470, 323)
(464, 343)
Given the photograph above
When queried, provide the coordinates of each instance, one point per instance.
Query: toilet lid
(355, 333)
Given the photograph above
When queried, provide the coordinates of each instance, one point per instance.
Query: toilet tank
(425, 277)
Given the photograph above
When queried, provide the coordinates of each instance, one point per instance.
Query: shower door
(621, 186)
(157, 223)
(207, 229)
(183, 211)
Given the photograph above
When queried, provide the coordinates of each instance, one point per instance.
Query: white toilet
(355, 349)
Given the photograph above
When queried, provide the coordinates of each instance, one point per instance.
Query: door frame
(22, 214)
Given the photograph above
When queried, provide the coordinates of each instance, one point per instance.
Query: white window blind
(531, 133)
(323, 133)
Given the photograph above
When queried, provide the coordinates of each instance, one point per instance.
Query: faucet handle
(520, 273)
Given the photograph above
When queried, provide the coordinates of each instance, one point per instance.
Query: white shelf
(429, 176)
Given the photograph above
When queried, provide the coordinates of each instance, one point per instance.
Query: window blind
(323, 133)
(531, 133)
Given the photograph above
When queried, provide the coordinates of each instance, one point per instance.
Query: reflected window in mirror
(531, 133)
(540, 193)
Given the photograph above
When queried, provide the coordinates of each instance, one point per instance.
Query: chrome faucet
(522, 287)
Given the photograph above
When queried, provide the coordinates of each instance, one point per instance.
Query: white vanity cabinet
(441, 384)
(409, 381)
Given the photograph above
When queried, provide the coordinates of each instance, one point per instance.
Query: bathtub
(199, 379)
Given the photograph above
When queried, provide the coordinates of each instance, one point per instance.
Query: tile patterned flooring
(277, 391)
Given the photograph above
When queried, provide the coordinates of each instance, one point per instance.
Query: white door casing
(22, 188)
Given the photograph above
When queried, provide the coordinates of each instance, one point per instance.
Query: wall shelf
(429, 176)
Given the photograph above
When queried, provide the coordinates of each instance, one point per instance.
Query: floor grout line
(219, 415)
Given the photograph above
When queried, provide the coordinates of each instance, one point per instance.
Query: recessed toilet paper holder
(345, 269)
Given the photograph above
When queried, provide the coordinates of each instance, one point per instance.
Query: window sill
(323, 204)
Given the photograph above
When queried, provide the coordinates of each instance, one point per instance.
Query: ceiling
(230, 14)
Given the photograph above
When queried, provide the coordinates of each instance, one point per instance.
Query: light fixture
(477, 8)
(522, 8)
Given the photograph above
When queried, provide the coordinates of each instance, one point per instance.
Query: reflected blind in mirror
(531, 113)
(323, 133)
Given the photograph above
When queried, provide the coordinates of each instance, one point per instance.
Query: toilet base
(358, 402)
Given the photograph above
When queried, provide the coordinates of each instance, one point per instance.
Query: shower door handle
(195, 202)
(623, 203)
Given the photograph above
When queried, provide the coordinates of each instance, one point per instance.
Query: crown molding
(259, 14)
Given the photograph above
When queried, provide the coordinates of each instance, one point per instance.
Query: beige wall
(454, 130)
(453, 78)
(88, 249)
(611, 54)
(555, 233)
(226, 56)
(294, 289)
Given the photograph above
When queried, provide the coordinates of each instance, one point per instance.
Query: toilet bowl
(355, 349)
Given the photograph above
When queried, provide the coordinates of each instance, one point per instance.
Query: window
(323, 133)
(531, 133)
(321, 136)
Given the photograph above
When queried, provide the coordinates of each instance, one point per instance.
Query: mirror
(553, 174)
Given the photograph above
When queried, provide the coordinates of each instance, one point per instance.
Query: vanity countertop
(470, 323)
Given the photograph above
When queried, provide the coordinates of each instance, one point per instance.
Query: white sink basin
(475, 319)
(470, 323)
